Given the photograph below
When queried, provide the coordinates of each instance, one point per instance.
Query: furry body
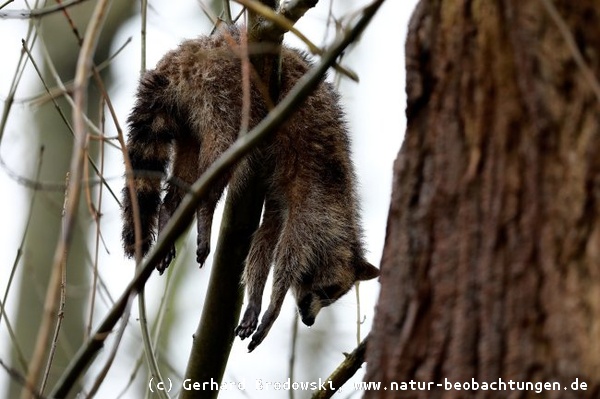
(188, 112)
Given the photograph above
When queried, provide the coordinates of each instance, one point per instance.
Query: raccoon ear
(366, 271)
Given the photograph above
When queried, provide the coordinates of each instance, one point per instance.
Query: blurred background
(32, 196)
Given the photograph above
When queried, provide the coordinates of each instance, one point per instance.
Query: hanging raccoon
(187, 113)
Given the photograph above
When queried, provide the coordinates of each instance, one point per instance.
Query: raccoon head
(314, 293)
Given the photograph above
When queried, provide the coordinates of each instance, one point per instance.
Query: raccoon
(187, 113)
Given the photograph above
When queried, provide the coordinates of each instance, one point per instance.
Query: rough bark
(490, 268)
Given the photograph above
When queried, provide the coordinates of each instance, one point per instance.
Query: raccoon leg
(167, 208)
(292, 256)
(281, 285)
(204, 217)
(257, 268)
(206, 209)
(185, 173)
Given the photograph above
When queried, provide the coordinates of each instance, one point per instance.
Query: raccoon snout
(307, 315)
(308, 320)
(308, 308)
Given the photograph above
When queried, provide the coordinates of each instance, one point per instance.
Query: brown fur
(188, 111)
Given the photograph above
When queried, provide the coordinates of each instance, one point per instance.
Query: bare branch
(343, 372)
(13, 339)
(15, 375)
(283, 21)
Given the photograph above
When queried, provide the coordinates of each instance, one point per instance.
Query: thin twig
(15, 375)
(95, 71)
(254, 76)
(144, 13)
(67, 87)
(11, 333)
(39, 185)
(148, 347)
(49, 315)
(133, 374)
(163, 307)
(101, 87)
(208, 13)
(71, 23)
(227, 12)
(96, 216)
(31, 36)
(160, 317)
(343, 372)
(7, 2)
(60, 315)
(36, 184)
(281, 21)
(55, 74)
(358, 321)
(147, 342)
(245, 60)
(293, 347)
(113, 352)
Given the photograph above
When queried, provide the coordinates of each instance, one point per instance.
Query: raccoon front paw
(166, 260)
(248, 324)
(258, 337)
(202, 250)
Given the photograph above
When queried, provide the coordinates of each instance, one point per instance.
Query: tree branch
(277, 23)
(344, 371)
(215, 333)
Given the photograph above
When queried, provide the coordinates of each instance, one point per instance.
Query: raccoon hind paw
(258, 337)
(248, 323)
(166, 260)
(202, 251)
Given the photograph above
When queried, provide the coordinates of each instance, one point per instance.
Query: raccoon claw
(166, 261)
(257, 338)
(202, 253)
(248, 324)
(243, 331)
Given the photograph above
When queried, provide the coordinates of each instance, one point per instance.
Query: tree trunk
(490, 269)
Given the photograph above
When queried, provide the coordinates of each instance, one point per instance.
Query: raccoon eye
(306, 278)
(330, 292)
(305, 302)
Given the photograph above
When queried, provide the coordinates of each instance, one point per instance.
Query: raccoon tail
(148, 147)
